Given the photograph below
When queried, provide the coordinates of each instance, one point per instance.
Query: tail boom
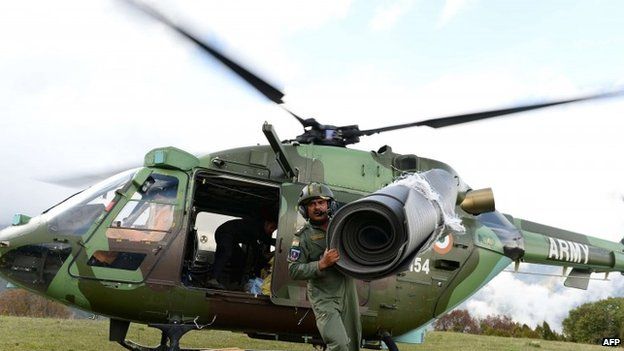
(553, 246)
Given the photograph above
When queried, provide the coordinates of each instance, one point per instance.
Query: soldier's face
(317, 210)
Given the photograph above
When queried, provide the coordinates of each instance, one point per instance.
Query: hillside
(20, 333)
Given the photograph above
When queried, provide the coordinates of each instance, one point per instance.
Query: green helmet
(316, 190)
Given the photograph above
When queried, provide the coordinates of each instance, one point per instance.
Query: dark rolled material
(380, 234)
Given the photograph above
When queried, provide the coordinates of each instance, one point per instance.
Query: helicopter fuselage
(101, 250)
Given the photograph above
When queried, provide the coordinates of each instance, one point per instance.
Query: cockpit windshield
(77, 214)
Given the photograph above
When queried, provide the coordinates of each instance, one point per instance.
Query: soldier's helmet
(316, 190)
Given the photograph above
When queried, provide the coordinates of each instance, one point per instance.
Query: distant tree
(461, 321)
(18, 302)
(457, 321)
(539, 331)
(527, 332)
(549, 334)
(500, 326)
(591, 322)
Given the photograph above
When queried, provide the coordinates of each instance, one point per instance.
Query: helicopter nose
(18, 233)
(29, 257)
(3, 243)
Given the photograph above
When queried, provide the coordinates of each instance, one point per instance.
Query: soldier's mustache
(320, 213)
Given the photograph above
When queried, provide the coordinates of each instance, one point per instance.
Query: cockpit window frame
(156, 249)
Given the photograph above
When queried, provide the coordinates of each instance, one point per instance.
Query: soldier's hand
(330, 257)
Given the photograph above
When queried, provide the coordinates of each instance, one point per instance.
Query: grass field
(20, 333)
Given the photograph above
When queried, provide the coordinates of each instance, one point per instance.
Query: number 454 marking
(420, 266)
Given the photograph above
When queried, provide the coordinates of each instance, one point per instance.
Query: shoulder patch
(293, 254)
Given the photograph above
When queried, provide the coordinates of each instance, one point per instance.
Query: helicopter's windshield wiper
(62, 202)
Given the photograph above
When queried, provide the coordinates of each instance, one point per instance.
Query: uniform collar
(314, 226)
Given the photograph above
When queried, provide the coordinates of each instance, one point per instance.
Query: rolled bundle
(380, 234)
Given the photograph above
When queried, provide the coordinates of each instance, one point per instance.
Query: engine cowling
(380, 234)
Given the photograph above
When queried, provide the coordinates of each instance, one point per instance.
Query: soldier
(332, 294)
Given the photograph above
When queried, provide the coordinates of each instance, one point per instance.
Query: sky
(89, 87)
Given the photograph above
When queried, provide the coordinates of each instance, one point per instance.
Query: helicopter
(148, 278)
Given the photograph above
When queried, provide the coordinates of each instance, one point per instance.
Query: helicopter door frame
(195, 234)
(284, 290)
(132, 238)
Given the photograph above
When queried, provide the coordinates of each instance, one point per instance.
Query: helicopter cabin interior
(232, 233)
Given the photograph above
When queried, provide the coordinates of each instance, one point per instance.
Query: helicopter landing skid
(169, 340)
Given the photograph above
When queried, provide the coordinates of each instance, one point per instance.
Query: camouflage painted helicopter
(105, 250)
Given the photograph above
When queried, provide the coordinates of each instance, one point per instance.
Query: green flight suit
(332, 294)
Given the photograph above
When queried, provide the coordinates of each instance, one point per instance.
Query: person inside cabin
(161, 211)
(240, 241)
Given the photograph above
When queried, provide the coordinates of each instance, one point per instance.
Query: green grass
(21, 333)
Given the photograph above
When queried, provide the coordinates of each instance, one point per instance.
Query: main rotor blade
(87, 178)
(261, 85)
(471, 117)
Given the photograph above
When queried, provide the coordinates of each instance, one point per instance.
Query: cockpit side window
(77, 214)
(149, 214)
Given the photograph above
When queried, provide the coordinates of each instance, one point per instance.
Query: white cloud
(246, 29)
(388, 13)
(533, 303)
(451, 10)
